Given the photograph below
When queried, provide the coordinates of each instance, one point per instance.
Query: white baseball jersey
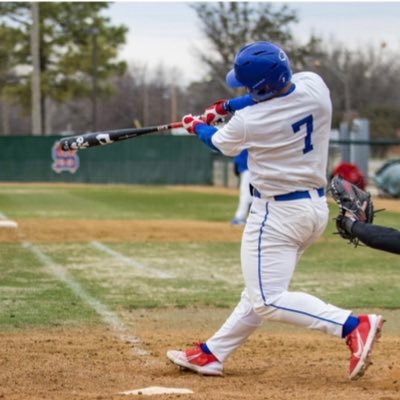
(287, 137)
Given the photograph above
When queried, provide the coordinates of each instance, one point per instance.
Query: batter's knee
(265, 306)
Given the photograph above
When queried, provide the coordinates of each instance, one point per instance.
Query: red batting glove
(215, 112)
(189, 123)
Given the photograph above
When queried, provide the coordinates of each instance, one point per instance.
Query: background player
(245, 198)
(287, 136)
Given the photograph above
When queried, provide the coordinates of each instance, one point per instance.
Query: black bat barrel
(102, 138)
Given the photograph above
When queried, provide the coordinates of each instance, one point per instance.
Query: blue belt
(292, 195)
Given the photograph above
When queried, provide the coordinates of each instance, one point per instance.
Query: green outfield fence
(152, 159)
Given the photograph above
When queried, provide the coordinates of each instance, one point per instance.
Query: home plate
(157, 390)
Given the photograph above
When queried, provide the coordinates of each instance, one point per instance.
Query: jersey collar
(291, 89)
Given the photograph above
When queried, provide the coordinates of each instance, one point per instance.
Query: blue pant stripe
(304, 313)
(259, 252)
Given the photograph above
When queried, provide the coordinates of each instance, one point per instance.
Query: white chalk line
(130, 262)
(135, 264)
(108, 316)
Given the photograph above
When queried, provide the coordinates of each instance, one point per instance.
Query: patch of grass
(114, 202)
(349, 277)
(204, 274)
(30, 296)
(209, 274)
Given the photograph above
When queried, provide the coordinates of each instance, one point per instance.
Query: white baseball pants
(274, 238)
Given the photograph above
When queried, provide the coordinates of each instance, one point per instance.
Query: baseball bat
(92, 139)
(102, 138)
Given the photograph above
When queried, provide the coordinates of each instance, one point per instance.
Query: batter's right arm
(221, 108)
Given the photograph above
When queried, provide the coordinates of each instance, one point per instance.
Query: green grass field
(57, 283)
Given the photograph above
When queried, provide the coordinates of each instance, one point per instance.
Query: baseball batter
(286, 132)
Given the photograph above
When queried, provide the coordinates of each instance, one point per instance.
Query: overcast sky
(168, 32)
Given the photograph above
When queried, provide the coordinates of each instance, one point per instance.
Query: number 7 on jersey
(308, 122)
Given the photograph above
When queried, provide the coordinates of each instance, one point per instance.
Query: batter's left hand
(189, 123)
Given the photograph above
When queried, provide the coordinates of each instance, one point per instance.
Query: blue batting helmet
(262, 67)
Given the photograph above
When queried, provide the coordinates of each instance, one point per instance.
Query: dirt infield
(76, 230)
(73, 230)
(90, 363)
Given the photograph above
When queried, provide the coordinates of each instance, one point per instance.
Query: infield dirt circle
(89, 362)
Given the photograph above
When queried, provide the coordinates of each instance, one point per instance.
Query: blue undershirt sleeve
(238, 103)
(205, 133)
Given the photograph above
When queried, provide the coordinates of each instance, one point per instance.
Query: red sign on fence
(64, 160)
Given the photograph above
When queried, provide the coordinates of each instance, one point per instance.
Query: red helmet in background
(351, 173)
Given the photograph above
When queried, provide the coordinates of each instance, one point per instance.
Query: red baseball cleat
(196, 360)
(360, 342)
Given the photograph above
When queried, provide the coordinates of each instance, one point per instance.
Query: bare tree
(363, 83)
(229, 25)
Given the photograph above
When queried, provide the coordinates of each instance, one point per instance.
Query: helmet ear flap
(266, 92)
(262, 94)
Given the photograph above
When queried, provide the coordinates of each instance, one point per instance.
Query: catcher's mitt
(355, 205)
